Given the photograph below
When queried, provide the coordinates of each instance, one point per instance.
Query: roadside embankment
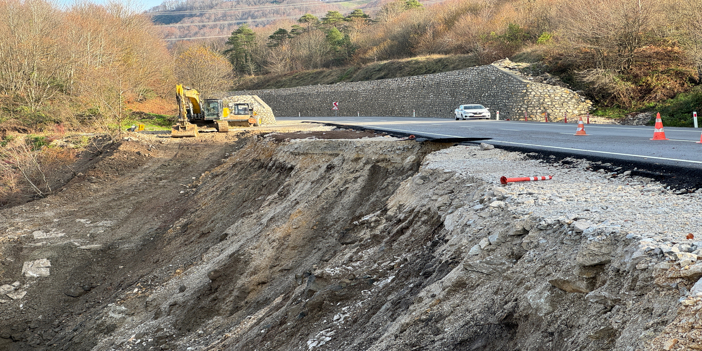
(319, 240)
(431, 95)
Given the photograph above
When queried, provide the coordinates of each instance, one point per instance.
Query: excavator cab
(242, 109)
(215, 110)
(239, 113)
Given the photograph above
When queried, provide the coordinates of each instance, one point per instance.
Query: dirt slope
(253, 242)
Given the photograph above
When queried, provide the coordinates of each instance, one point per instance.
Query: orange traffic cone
(658, 133)
(700, 142)
(581, 127)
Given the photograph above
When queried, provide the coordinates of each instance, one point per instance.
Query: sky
(140, 5)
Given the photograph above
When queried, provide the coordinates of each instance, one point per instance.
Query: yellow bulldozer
(193, 111)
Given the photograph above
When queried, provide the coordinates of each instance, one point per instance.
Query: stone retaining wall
(433, 95)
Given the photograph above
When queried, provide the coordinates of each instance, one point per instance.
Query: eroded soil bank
(276, 242)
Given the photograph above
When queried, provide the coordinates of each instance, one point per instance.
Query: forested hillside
(625, 53)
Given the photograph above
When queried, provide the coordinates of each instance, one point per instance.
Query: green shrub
(677, 112)
(544, 38)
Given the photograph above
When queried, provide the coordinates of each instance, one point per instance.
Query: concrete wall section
(434, 95)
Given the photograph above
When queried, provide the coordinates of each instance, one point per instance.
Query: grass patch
(151, 121)
(39, 141)
(611, 112)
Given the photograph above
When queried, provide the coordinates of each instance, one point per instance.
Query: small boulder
(4, 289)
(572, 285)
(16, 295)
(518, 229)
(475, 250)
(498, 204)
(38, 268)
(484, 242)
(580, 226)
(500, 193)
(540, 300)
(595, 251)
(696, 289)
(693, 272)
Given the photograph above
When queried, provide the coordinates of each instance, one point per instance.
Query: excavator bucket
(181, 131)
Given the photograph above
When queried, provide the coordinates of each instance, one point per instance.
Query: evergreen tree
(278, 37)
(357, 13)
(310, 20)
(341, 45)
(335, 38)
(240, 54)
(296, 30)
(333, 18)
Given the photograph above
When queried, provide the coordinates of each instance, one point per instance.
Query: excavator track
(222, 126)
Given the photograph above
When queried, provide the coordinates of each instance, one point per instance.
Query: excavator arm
(183, 128)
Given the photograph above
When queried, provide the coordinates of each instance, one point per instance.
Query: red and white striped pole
(565, 117)
(505, 180)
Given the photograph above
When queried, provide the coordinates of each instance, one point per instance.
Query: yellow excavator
(193, 109)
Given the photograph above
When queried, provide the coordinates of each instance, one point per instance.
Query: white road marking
(599, 152)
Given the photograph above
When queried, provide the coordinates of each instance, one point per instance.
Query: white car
(472, 111)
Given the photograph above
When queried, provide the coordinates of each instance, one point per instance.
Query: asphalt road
(618, 142)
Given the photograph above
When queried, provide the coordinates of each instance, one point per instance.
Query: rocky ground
(301, 237)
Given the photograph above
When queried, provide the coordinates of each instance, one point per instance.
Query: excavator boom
(183, 128)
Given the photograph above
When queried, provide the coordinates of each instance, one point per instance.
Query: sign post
(694, 118)
(335, 108)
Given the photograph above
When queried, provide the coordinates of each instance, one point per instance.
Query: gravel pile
(610, 202)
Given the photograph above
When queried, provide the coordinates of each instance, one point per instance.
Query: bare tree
(684, 19)
(312, 49)
(30, 53)
(18, 156)
(612, 30)
(280, 58)
(203, 69)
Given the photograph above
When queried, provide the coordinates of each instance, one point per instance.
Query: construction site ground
(301, 236)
